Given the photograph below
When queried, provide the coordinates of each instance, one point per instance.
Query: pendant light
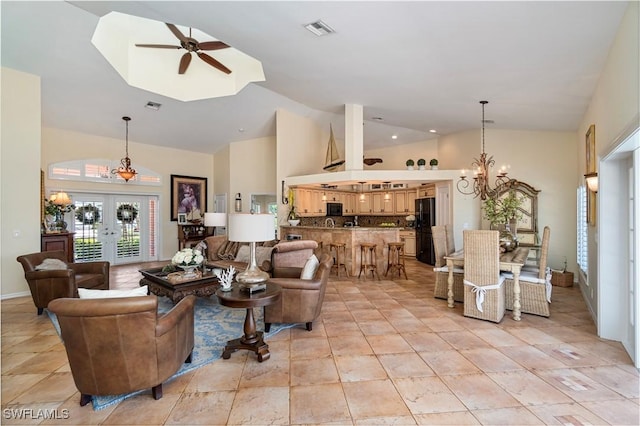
(125, 171)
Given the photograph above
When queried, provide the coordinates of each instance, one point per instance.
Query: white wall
(20, 176)
(252, 169)
(395, 157)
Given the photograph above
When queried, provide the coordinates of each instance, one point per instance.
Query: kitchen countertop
(351, 228)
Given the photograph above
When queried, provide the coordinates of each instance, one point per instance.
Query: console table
(58, 241)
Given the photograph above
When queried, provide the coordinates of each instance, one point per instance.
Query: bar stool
(339, 253)
(395, 259)
(368, 260)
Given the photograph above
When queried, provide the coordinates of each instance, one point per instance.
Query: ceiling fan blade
(208, 59)
(212, 45)
(176, 32)
(184, 63)
(159, 46)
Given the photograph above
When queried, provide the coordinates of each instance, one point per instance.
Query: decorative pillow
(262, 254)
(202, 246)
(243, 254)
(310, 268)
(51, 264)
(228, 251)
(85, 293)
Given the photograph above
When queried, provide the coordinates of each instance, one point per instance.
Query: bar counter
(352, 237)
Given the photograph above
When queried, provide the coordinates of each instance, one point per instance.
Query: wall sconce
(238, 202)
(285, 198)
(592, 181)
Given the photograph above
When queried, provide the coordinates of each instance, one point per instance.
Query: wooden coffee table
(159, 285)
(252, 340)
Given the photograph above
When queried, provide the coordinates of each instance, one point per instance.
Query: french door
(114, 227)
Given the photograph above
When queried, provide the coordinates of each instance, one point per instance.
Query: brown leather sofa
(301, 300)
(47, 285)
(122, 345)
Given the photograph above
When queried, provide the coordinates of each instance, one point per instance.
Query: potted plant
(409, 164)
(292, 217)
(504, 211)
(421, 163)
(434, 164)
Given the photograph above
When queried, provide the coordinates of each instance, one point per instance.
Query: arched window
(99, 170)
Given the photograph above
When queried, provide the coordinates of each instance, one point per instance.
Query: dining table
(510, 261)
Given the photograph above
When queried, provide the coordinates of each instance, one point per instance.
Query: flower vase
(189, 270)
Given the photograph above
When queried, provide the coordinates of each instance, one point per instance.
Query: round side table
(252, 340)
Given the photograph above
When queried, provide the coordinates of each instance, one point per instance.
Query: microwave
(334, 209)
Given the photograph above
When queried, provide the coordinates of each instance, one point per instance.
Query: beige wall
(221, 177)
(20, 176)
(63, 145)
(252, 169)
(395, 157)
(614, 107)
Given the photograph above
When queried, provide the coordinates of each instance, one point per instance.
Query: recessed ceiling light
(319, 28)
(394, 136)
(153, 105)
(432, 130)
(241, 130)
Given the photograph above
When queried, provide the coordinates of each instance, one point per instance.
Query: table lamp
(251, 228)
(215, 219)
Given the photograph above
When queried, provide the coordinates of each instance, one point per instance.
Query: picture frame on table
(590, 164)
(182, 219)
(188, 196)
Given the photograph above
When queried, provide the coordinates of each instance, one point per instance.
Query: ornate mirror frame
(527, 229)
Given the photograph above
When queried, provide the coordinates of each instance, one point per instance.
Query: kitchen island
(352, 237)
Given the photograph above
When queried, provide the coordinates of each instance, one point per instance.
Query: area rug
(214, 325)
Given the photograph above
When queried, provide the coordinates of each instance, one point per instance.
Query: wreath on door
(127, 213)
(88, 215)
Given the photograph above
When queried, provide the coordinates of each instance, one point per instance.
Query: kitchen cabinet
(380, 205)
(408, 237)
(364, 203)
(405, 201)
(412, 194)
(427, 191)
(349, 203)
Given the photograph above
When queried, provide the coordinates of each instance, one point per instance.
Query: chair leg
(309, 326)
(85, 399)
(157, 391)
(188, 360)
(267, 327)
(40, 311)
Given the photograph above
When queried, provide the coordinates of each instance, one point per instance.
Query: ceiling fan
(192, 45)
(371, 161)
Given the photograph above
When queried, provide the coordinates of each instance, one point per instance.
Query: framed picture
(590, 140)
(590, 165)
(182, 219)
(188, 196)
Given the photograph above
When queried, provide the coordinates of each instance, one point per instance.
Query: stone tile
(350, 345)
(142, 410)
(202, 408)
(507, 416)
(463, 340)
(359, 368)
(426, 342)
(377, 398)
(260, 406)
(389, 344)
(576, 385)
(615, 412)
(497, 337)
(405, 365)
(477, 392)
(448, 363)
(319, 404)
(615, 378)
(566, 414)
(456, 418)
(530, 357)
(310, 348)
(272, 373)
(217, 376)
(428, 395)
(528, 389)
(322, 370)
(490, 360)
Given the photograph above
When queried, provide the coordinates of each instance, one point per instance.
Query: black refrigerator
(425, 219)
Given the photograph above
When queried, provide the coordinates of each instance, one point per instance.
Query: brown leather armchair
(301, 300)
(46, 285)
(122, 345)
(288, 257)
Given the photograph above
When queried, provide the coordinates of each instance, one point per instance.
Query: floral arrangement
(187, 257)
(503, 210)
(293, 215)
(52, 209)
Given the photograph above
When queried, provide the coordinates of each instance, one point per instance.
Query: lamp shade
(592, 181)
(246, 227)
(61, 199)
(215, 219)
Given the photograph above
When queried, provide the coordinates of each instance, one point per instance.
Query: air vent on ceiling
(153, 105)
(319, 28)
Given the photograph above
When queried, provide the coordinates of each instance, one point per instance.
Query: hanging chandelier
(125, 171)
(480, 186)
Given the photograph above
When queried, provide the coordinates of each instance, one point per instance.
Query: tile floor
(383, 352)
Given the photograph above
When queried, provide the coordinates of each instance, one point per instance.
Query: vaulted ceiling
(416, 65)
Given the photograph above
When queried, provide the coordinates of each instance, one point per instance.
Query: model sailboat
(333, 160)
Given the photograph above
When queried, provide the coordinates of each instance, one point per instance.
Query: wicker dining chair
(484, 293)
(441, 290)
(535, 284)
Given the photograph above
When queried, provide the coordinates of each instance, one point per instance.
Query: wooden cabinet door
(412, 195)
(409, 239)
(400, 201)
(364, 204)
